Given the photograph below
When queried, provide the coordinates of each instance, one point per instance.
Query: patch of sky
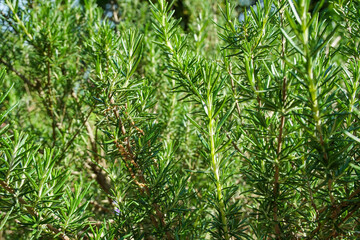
(247, 4)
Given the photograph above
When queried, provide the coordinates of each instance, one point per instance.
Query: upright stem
(216, 168)
(277, 170)
(216, 171)
(173, 54)
(313, 90)
(50, 94)
(280, 136)
(18, 20)
(314, 95)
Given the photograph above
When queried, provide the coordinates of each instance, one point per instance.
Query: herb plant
(179, 120)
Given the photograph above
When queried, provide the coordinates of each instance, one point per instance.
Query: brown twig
(99, 206)
(20, 75)
(101, 178)
(337, 209)
(68, 144)
(129, 159)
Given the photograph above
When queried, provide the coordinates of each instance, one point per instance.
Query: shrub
(181, 120)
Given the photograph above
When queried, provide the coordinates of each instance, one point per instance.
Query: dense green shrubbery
(129, 122)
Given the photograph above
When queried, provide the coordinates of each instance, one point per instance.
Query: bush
(182, 120)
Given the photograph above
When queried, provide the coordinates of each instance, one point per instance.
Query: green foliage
(158, 120)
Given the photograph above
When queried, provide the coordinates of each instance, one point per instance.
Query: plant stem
(216, 171)
(136, 173)
(280, 136)
(22, 25)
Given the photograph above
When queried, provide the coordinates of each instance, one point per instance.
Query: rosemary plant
(179, 120)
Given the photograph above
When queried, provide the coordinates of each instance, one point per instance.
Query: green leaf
(224, 118)
(294, 10)
(198, 127)
(292, 42)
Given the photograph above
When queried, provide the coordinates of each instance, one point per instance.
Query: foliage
(179, 120)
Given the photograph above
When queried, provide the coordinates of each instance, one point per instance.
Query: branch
(64, 150)
(337, 211)
(22, 25)
(25, 79)
(139, 179)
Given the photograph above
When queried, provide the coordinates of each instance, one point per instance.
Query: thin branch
(69, 143)
(22, 25)
(279, 139)
(337, 209)
(11, 68)
(138, 178)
